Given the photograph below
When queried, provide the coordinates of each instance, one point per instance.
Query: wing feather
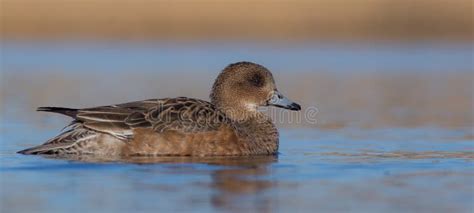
(102, 116)
(177, 114)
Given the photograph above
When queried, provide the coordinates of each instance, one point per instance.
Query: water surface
(394, 170)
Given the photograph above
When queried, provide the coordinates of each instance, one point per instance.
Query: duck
(230, 124)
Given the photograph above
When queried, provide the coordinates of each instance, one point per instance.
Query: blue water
(364, 170)
(117, 56)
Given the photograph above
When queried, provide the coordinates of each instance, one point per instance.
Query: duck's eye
(257, 80)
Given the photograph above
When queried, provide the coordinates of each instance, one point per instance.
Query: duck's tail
(61, 110)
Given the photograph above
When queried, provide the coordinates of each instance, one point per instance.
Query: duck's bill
(281, 101)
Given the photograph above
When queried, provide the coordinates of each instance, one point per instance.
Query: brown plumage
(228, 125)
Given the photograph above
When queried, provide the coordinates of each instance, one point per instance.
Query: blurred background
(365, 63)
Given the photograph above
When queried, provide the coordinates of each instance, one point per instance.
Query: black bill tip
(294, 107)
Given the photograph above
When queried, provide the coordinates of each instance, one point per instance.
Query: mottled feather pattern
(182, 114)
(179, 114)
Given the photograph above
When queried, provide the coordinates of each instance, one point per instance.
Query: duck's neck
(256, 130)
(259, 132)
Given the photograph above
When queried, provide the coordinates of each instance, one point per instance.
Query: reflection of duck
(239, 161)
(228, 125)
(240, 189)
(236, 183)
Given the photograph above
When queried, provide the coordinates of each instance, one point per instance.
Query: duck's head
(243, 87)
